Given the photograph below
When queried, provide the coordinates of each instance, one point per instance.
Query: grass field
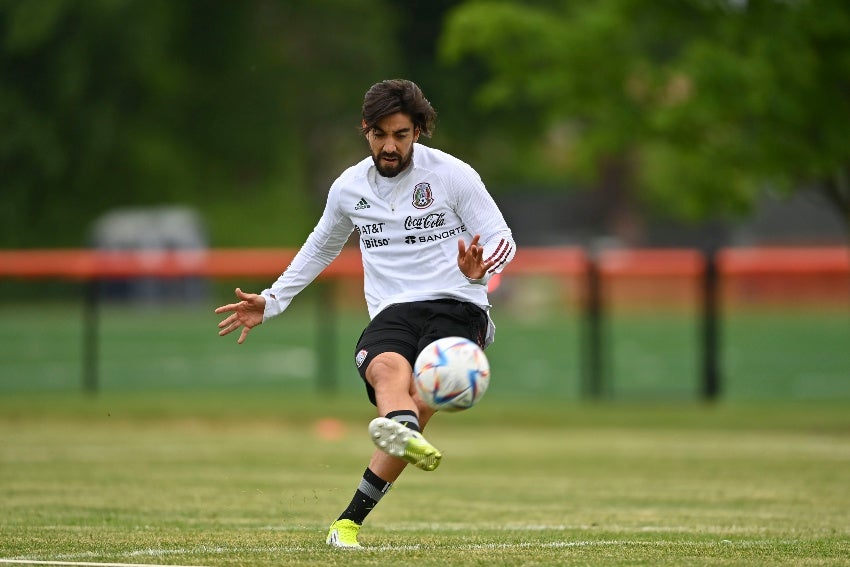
(197, 451)
(183, 478)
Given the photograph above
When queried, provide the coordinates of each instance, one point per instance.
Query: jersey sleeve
(318, 251)
(482, 216)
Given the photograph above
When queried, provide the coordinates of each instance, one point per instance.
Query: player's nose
(390, 147)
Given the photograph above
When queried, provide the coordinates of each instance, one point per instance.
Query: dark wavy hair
(398, 95)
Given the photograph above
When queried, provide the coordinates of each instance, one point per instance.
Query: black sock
(405, 417)
(372, 488)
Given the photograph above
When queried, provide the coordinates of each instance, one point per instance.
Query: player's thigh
(391, 331)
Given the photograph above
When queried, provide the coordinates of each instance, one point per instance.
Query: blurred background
(676, 174)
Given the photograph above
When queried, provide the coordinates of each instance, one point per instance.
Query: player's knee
(389, 372)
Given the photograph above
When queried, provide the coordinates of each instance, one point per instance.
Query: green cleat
(343, 533)
(395, 439)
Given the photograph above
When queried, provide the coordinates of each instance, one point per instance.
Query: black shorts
(407, 328)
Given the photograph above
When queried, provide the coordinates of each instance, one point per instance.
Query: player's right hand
(247, 313)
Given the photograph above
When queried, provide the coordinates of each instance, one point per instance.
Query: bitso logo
(422, 197)
(362, 204)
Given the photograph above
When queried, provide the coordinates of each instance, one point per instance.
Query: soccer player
(431, 237)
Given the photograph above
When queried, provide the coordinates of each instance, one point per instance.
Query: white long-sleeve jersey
(408, 241)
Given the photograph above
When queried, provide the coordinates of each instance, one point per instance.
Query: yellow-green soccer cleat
(395, 439)
(343, 533)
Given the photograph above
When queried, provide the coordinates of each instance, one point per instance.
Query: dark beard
(392, 171)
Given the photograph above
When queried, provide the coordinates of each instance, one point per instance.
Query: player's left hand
(470, 259)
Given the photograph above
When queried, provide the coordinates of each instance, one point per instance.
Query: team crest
(422, 197)
(361, 356)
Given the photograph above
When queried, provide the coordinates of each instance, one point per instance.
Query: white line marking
(395, 548)
(84, 563)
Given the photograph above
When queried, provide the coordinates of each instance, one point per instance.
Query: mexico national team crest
(422, 197)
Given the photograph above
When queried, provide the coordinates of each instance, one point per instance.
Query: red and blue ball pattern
(451, 374)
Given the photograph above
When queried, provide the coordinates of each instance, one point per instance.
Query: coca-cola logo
(433, 220)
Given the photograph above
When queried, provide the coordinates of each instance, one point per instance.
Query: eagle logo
(422, 196)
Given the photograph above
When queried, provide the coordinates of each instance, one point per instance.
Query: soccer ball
(451, 374)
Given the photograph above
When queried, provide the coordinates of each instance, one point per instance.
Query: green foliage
(241, 109)
(248, 110)
(708, 101)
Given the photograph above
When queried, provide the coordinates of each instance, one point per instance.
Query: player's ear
(416, 134)
(365, 130)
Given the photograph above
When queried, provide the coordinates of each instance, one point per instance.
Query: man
(431, 237)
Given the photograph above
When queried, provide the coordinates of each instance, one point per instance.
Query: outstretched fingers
(229, 325)
(226, 308)
(471, 259)
(247, 313)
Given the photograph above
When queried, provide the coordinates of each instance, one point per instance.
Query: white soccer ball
(451, 374)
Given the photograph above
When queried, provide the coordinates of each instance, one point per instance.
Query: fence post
(710, 330)
(593, 349)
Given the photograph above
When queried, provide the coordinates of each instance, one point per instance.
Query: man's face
(391, 140)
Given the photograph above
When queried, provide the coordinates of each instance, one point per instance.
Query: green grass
(201, 452)
(193, 478)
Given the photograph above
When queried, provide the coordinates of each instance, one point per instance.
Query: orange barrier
(269, 262)
(229, 262)
(785, 276)
(564, 261)
(92, 264)
(652, 263)
(803, 261)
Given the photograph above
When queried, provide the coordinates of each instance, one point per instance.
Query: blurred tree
(700, 104)
(495, 142)
(241, 109)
